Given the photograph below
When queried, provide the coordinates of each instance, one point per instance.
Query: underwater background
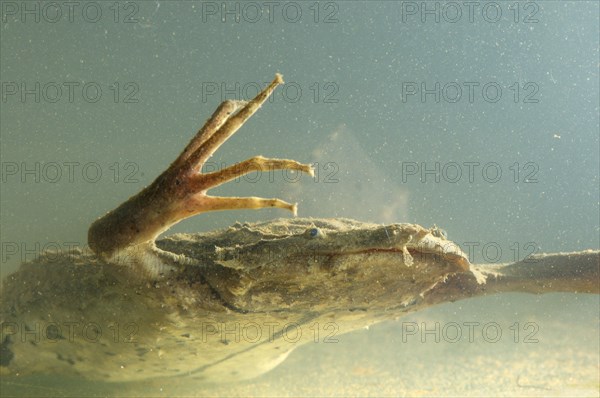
(479, 117)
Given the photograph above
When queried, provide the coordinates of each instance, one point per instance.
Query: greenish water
(505, 173)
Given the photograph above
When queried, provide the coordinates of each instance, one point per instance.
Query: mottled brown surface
(238, 313)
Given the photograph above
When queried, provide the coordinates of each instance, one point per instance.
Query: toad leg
(126, 235)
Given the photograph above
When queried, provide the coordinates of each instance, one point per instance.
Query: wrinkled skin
(262, 290)
(283, 274)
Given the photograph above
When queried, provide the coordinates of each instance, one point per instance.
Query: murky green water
(481, 118)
